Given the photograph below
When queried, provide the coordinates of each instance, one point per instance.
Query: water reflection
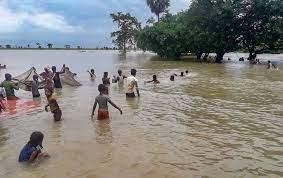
(103, 131)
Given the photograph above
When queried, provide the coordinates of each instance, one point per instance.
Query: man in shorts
(132, 84)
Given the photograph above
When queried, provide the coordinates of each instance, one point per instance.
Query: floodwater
(221, 120)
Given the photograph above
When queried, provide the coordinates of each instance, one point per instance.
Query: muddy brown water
(221, 120)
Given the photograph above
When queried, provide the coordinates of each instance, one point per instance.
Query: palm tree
(49, 45)
(158, 6)
(39, 46)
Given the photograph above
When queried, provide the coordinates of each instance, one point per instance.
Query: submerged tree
(158, 6)
(128, 27)
(260, 23)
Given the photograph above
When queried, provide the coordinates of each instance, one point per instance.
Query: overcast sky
(75, 22)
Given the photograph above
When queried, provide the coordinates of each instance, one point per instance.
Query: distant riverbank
(77, 49)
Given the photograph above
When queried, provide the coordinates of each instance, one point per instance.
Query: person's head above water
(105, 74)
(154, 77)
(187, 71)
(182, 74)
(8, 77)
(172, 77)
(35, 77)
(101, 88)
(133, 72)
(36, 139)
(53, 68)
(92, 71)
(120, 72)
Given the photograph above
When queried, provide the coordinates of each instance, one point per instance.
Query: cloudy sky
(75, 22)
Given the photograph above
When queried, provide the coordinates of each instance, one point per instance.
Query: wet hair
(53, 68)
(92, 70)
(133, 72)
(101, 88)
(36, 139)
(35, 77)
(187, 71)
(105, 74)
(154, 77)
(172, 78)
(268, 61)
(8, 77)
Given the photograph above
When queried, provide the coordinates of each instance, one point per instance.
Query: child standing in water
(34, 87)
(102, 102)
(32, 149)
(54, 107)
(106, 82)
(51, 98)
(92, 74)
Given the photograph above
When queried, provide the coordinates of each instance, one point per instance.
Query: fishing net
(24, 80)
(68, 78)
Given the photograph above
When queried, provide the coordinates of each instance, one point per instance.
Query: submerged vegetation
(213, 26)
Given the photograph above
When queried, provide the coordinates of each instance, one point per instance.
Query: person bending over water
(56, 76)
(154, 80)
(33, 149)
(102, 102)
(9, 87)
(132, 84)
(92, 74)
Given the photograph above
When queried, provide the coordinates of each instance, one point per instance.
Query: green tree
(158, 6)
(260, 23)
(127, 29)
(215, 21)
(168, 38)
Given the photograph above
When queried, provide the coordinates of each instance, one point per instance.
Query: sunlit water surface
(221, 120)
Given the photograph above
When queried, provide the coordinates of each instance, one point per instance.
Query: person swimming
(33, 149)
(9, 87)
(102, 102)
(187, 72)
(172, 78)
(182, 74)
(154, 80)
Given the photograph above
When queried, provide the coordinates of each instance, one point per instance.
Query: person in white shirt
(132, 84)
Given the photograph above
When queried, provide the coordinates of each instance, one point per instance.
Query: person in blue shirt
(32, 149)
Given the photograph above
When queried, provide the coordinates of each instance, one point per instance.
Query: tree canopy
(127, 28)
(216, 26)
